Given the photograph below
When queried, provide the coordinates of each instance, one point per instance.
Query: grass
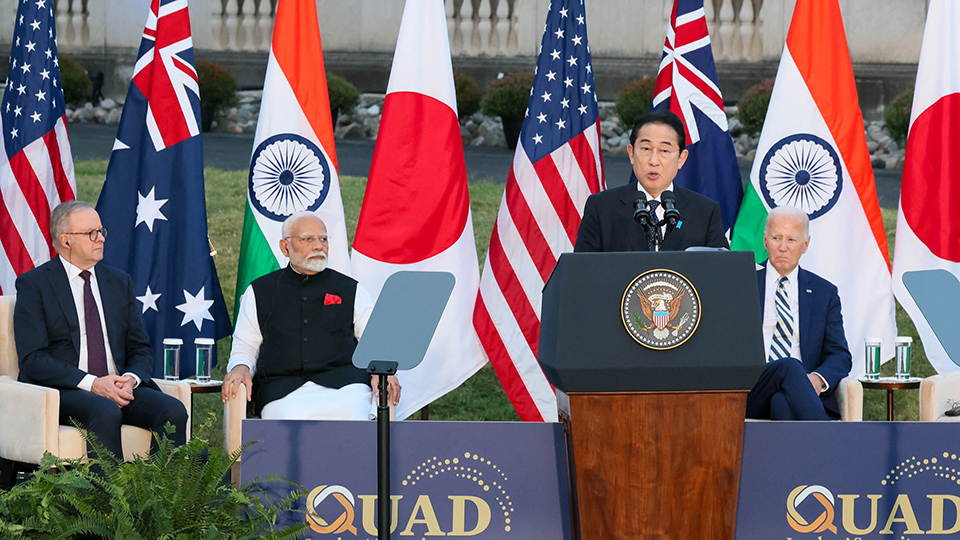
(481, 397)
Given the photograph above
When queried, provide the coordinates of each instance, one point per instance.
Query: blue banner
(849, 480)
(483, 480)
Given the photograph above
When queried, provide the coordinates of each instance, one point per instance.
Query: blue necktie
(783, 333)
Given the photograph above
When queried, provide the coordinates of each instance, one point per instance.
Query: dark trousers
(150, 409)
(784, 392)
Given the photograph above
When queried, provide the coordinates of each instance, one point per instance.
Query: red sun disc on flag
(931, 178)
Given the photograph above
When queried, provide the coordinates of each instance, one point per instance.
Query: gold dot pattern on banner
(468, 468)
(913, 466)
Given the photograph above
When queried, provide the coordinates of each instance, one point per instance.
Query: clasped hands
(116, 388)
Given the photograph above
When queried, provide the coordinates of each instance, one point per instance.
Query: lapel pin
(809, 291)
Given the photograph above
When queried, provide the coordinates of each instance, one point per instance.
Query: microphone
(640, 212)
(671, 216)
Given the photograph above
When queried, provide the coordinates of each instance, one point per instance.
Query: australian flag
(153, 200)
(687, 85)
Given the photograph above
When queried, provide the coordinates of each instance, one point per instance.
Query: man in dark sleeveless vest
(295, 334)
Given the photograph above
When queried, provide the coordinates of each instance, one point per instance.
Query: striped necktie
(783, 333)
(657, 238)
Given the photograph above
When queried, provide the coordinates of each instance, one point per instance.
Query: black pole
(383, 462)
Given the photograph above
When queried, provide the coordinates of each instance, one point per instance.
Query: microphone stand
(383, 368)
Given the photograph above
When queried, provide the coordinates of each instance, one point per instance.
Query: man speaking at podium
(803, 337)
(651, 215)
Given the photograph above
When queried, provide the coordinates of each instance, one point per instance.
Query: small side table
(210, 387)
(890, 384)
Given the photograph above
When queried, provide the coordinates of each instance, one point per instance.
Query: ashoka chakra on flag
(802, 171)
(288, 174)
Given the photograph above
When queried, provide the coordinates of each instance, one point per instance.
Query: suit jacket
(823, 345)
(608, 223)
(47, 328)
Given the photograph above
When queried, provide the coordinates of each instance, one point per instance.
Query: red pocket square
(331, 299)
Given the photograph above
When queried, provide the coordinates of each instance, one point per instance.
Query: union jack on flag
(687, 85)
(36, 167)
(164, 74)
(153, 199)
(557, 165)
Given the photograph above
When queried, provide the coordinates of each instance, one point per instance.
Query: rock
(250, 127)
(113, 117)
(477, 118)
(246, 112)
(878, 163)
(891, 162)
(353, 131)
(84, 115)
(751, 154)
(472, 126)
(233, 115)
(367, 100)
(372, 125)
(489, 130)
(875, 133)
(609, 129)
(108, 103)
(465, 133)
(88, 106)
(872, 146)
(374, 110)
(478, 141)
(888, 144)
(735, 127)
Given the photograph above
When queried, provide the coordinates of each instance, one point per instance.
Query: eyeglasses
(662, 153)
(92, 235)
(309, 240)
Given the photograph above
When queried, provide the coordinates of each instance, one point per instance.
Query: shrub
(344, 96)
(218, 87)
(897, 116)
(634, 100)
(75, 81)
(468, 94)
(752, 109)
(507, 97)
(177, 493)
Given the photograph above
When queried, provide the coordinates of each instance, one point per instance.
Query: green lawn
(481, 397)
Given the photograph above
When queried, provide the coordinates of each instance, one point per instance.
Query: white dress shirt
(247, 336)
(76, 287)
(660, 211)
(770, 312)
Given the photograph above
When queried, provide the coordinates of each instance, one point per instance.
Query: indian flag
(813, 155)
(294, 163)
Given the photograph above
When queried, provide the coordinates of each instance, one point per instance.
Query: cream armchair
(29, 414)
(850, 399)
(937, 394)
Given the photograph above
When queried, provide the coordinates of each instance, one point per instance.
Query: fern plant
(178, 493)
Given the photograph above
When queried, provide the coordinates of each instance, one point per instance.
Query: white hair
(789, 211)
(293, 219)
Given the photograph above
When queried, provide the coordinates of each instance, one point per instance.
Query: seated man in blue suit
(78, 329)
(806, 349)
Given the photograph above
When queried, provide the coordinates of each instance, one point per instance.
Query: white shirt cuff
(86, 383)
(822, 380)
(136, 380)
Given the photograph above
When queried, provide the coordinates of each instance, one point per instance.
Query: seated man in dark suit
(78, 329)
(657, 151)
(806, 349)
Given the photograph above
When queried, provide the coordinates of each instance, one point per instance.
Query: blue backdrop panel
(483, 480)
(866, 480)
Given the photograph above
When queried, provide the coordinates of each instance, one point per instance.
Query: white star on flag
(148, 209)
(195, 308)
(149, 301)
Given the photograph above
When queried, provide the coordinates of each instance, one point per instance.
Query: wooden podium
(655, 436)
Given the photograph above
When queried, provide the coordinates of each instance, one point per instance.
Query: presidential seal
(660, 309)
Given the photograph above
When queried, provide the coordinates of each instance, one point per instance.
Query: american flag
(36, 168)
(687, 85)
(557, 165)
(153, 199)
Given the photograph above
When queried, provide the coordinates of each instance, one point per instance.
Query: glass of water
(171, 358)
(872, 355)
(204, 358)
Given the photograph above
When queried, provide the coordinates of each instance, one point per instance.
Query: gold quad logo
(660, 309)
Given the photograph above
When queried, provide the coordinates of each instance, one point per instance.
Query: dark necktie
(657, 232)
(96, 351)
